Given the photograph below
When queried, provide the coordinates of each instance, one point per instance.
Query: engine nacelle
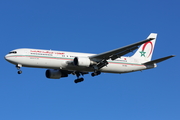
(82, 61)
(55, 74)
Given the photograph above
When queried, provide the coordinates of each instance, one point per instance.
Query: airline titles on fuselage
(46, 52)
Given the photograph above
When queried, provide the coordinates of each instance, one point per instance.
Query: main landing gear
(95, 73)
(19, 67)
(78, 74)
(78, 80)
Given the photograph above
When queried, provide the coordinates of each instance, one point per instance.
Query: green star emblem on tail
(142, 53)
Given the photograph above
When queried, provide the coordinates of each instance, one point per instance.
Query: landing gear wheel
(78, 74)
(81, 79)
(95, 73)
(19, 72)
(78, 80)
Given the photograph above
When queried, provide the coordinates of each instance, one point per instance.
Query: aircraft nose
(5, 57)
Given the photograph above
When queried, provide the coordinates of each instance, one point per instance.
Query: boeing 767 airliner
(61, 63)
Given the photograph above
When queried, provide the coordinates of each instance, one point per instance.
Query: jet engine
(55, 74)
(82, 61)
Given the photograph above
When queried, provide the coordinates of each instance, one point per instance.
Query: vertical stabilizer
(145, 51)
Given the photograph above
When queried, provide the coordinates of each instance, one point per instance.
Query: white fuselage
(50, 59)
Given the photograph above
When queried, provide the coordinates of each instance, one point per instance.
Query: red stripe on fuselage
(72, 59)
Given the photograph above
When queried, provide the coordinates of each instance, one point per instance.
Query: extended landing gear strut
(19, 67)
(96, 72)
(78, 74)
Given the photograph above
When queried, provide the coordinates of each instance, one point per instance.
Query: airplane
(60, 64)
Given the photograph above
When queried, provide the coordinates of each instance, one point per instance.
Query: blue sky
(92, 26)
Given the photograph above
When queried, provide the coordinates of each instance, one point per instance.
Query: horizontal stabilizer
(158, 60)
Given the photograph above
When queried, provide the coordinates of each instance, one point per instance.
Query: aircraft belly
(63, 64)
(122, 68)
(110, 68)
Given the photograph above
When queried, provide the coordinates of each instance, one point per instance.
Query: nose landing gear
(19, 72)
(18, 68)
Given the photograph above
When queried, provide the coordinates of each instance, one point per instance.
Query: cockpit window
(12, 52)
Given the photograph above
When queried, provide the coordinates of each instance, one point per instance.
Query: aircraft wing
(116, 53)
